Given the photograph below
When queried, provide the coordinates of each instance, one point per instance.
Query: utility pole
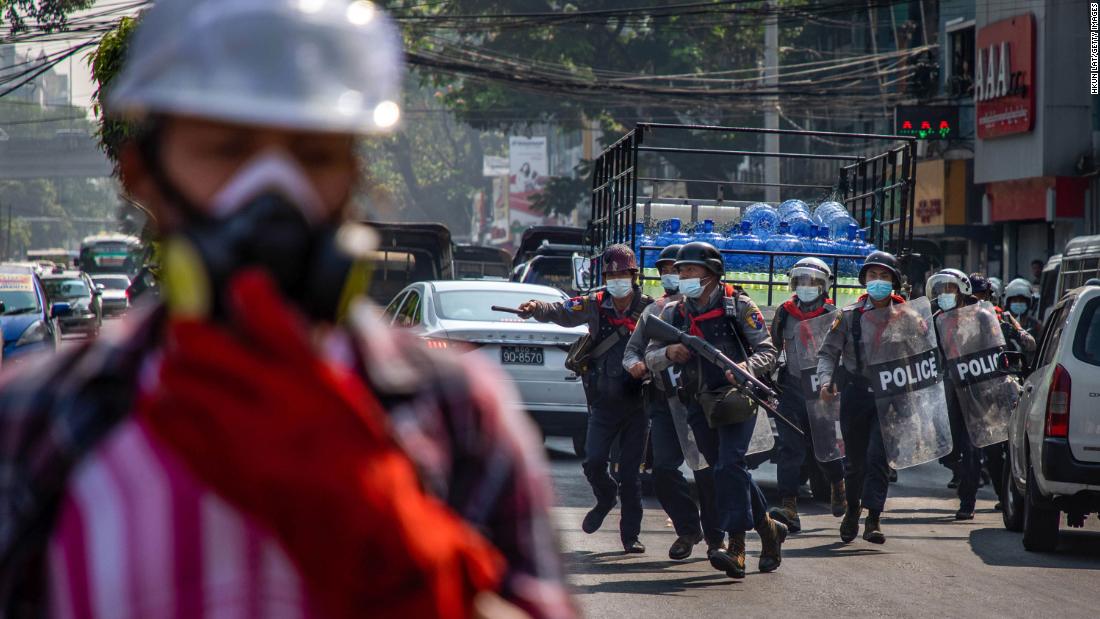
(771, 104)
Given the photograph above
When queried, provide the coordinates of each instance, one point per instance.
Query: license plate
(521, 355)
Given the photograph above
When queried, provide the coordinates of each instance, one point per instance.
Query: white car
(113, 290)
(1054, 435)
(457, 313)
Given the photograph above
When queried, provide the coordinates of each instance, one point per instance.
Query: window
(960, 62)
(1086, 344)
(409, 314)
(476, 304)
(1053, 330)
(391, 309)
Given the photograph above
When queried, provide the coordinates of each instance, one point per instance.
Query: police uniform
(965, 460)
(669, 484)
(615, 403)
(840, 362)
(794, 448)
(1021, 337)
(731, 321)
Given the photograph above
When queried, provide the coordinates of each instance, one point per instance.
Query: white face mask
(691, 287)
(807, 294)
(946, 301)
(619, 288)
(671, 281)
(269, 171)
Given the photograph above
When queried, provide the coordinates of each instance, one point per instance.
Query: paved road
(930, 566)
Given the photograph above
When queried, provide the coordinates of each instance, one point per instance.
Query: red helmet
(618, 258)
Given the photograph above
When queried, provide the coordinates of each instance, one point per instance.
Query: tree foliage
(49, 15)
(106, 61)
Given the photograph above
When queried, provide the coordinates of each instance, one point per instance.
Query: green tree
(48, 15)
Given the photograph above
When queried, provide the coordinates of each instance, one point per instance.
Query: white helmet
(814, 267)
(810, 272)
(314, 65)
(1018, 287)
(998, 287)
(948, 276)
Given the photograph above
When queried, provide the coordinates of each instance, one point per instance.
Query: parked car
(1054, 442)
(457, 314)
(84, 299)
(113, 287)
(27, 320)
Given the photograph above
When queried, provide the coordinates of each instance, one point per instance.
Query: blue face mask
(619, 288)
(879, 289)
(671, 282)
(691, 288)
(946, 301)
(1017, 309)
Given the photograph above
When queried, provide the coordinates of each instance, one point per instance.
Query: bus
(111, 253)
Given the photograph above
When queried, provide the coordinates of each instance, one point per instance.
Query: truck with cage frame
(707, 180)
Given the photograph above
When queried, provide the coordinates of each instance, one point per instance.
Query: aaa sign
(1004, 77)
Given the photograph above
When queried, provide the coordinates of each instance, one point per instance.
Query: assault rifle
(761, 394)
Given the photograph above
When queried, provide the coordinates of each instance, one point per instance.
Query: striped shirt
(138, 535)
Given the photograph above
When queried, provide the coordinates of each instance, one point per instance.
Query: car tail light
(437, 344)
(1058, 403)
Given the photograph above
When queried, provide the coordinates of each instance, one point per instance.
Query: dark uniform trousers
(672, 489)
(967, 457)
(867, 476)
(741, 504)
(617, 413)
(794, 448)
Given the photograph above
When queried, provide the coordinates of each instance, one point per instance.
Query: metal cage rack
(872, 175)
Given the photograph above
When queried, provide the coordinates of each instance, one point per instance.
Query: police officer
(950, 289)
(728, 319)
(668, 434)
(1019, 338)
(809, 279)
(1018, 302)
(614, 394)
(840, 372)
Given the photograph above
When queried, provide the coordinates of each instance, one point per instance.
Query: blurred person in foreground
(261, 444)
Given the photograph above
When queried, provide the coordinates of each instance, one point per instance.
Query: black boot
(872, 530)
(633, 547)
(838, 501)
(772, 535)
(681, 548)
(730, 560)
(849, 527)
(787, 514)
(594, 518)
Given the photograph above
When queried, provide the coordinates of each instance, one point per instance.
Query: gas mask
(266, 216)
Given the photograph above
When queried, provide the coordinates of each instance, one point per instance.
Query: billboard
(1004, 77)
(528, 165)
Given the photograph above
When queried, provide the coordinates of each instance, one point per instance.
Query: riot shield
(901, 362)
(971, 339)
(762, 439)
(824, 417)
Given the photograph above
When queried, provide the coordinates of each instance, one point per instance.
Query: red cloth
(626, 321)
(718, 312)
(303, 447)
(893, 297)
(792, 308)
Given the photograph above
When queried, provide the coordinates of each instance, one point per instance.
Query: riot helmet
(702, 254)
(882, 259)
